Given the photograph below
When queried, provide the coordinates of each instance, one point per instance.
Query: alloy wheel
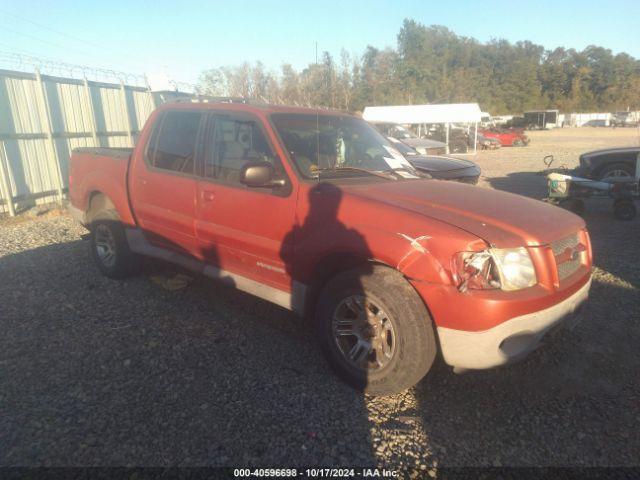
(363, 333)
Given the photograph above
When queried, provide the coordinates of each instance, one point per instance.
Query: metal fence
(43, 118)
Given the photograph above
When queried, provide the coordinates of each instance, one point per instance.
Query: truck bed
(100, 171)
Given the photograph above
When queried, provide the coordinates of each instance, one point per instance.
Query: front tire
(375, 330)
(110, 250)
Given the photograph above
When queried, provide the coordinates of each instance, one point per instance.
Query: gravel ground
(102, 372)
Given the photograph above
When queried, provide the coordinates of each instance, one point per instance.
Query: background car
(487, 143)
(421, 145)
(441, 167)
(624, 119)
(595, 122)
(508, 138)
(447, 168)
(458, 136)
(612, 162)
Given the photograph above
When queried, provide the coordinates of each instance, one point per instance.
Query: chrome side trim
(291, 301)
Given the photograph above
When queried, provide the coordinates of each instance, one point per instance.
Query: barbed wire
(29, 63)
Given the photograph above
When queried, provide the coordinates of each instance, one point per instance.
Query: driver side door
(241, 230)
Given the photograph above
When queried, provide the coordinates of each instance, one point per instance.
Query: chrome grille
(568, 267)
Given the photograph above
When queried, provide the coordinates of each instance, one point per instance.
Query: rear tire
(390, 362)
(109, 248)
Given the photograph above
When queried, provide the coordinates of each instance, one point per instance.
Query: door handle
(207, 195)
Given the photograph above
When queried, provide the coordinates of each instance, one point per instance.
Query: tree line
(431, 64)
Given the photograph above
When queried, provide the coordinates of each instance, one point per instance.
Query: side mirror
(259, 174)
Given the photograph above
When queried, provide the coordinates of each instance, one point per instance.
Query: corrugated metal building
(42, 118)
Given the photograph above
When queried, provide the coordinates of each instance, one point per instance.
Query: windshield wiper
(381, 174)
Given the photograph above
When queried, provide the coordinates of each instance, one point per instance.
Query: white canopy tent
(446, 114)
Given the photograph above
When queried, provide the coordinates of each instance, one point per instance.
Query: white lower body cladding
(508, 341)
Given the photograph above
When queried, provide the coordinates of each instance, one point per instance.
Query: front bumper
(508, 341)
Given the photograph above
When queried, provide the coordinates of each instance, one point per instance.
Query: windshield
(335, 144)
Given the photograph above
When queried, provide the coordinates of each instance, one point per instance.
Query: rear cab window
(172, 146)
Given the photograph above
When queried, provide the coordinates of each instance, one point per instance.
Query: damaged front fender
(429, 258)
(419, 262)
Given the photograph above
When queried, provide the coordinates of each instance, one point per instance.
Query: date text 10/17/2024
(315, 472)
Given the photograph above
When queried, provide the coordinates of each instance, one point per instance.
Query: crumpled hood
(502, 219)
(438, 163)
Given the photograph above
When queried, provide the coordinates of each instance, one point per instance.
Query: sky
(183, 38)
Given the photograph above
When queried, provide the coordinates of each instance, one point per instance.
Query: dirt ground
(101, 372)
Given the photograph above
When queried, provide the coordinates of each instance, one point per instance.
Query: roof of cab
(247, 106)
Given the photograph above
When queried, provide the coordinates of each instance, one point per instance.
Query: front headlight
(505, 268)
(514, 267)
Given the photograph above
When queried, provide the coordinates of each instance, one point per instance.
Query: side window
(175, 145)
(233, 143)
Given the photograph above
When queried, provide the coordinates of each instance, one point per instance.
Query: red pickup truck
(316, 211)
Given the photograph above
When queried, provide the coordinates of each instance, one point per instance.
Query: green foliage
(434, 65)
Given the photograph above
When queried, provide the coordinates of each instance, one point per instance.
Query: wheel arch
(99, 204)
(327, 267)
(332, 264)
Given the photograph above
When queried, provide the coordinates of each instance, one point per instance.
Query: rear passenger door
(164, 184)
(241, 229)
